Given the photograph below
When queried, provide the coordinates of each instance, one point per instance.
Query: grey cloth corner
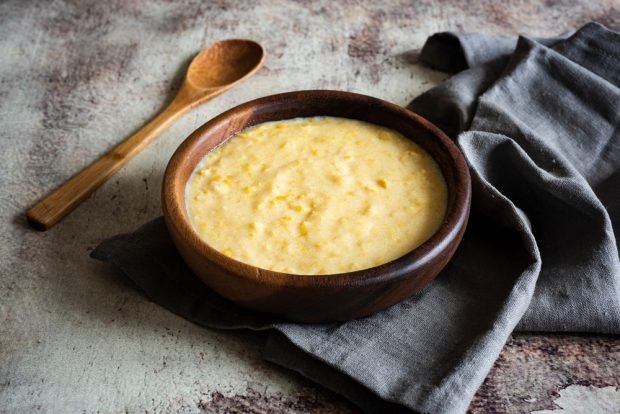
(538, 122)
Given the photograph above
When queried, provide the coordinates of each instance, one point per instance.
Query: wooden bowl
(319, 298)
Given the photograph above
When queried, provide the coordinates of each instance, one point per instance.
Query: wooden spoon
(213, 71)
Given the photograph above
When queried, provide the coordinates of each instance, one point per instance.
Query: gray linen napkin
(539, 124)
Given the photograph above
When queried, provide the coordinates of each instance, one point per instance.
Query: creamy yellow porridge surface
(316, 196)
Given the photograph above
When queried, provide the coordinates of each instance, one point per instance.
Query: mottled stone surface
(78, 76)
(532, 369)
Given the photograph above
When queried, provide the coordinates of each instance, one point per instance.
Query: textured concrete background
(78, 76)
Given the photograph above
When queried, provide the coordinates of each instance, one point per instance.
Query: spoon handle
(56, 205)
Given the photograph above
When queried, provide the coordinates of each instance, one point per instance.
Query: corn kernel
(227, 252)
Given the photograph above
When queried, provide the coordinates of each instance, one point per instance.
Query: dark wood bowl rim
(416, 259)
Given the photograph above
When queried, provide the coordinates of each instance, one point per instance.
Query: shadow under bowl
(317, 298)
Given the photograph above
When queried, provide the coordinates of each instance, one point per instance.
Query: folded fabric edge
(444, 52)
(184, 295)
(280, 350)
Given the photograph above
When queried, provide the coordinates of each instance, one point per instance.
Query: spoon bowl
(224, 63)
(213, 71)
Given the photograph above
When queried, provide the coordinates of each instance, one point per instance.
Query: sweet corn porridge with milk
(316, 196)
